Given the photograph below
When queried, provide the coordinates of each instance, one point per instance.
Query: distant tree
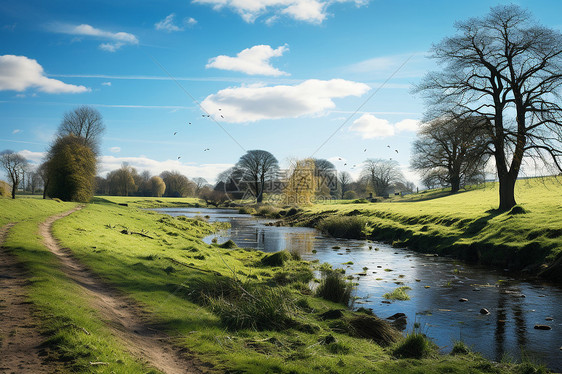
(86, 123)
(34, 181)
(344, 181)
(71, 167)
(199, 184)
(144, 187)
(101, 186)
(496, 66)
(177, 185)
(453, 147)
(157, 186)
(214, 197)
(326, 178)
(350, 195)
(301, 184)
(257, 167)
(43, 171)
(122, 181)
(381, 174)
(14, 165)
(434, 179)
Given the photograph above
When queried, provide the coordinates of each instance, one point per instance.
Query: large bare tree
(453, 148)
(84, 122)
(507, 69)
(381, 174)
(257, 167)
(15, 165)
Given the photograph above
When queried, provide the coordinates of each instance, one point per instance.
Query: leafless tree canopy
(15, 165)
(507, 69)
(84, 122)
(258, 167)
(381, 174)
(452, 149)
(344, 182)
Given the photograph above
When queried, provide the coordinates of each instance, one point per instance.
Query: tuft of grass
(415, 345)
(460, 348)
(371, 327)
(229, 244)
(351, 227)
(334, 287)
(398, 294)
(276, 259)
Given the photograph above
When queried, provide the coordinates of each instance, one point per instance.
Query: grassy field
(236, 310)
(465, 225)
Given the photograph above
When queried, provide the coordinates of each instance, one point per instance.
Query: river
(437, 285)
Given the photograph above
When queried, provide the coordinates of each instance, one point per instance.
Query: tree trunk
(455, 181)
(14, 186)
(507, 192)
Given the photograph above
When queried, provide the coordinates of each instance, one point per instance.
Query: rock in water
(484, 311)
(543, 327)
(396, 316)
(463, 300)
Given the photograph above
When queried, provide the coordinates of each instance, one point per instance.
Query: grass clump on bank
(415, 345)
(398, 294)
(349, 227)
(334, 287)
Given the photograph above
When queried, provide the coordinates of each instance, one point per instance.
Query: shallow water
(437, 284)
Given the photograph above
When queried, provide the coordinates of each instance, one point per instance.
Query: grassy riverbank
(236, 310)
(465, 225)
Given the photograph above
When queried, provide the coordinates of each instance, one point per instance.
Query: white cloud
(115, 149)
(118, 39)
(313, 11)
(168, 25)
(18, 73)
(191, 170)
(252, 61)
(371, 127)
(16, 131)
(254, 103)
(106, 84)
(33, 157)
(408, 125)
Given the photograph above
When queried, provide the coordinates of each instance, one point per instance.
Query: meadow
(234, 310)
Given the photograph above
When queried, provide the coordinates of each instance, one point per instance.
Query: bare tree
(43, 171)
(500, 64)
(258, 167)
(381, 174)
(344, 181)
(199, 184)
(452, 147)
(14, 164)
(84, 122)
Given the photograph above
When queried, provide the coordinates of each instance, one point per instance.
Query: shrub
(276, 259)
(350, 227)
(268, 211)
(5, 189)
(334, 287)
(350, 195)
(459, 348)
(415, 345)
(229, 244)
(246, 210)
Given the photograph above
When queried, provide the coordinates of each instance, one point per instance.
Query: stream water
(437, 284)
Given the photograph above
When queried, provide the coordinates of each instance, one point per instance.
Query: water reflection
(437, 284)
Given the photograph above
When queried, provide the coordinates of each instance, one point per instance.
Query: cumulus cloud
(313, 11)
(115, 149)
(254, 103)
(33, 157)
(106, 84)
(252, 61)
(16, 131)
(191, 170)
(17, 73)
(370, 127)
(117, 39)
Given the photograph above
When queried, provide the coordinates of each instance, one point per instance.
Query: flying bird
(175, 133)
(365, 150)
(179, 157)
(189, 123)
(396, 150)
(206, 149)
(388, 146)
(344, 164)
(222, 116)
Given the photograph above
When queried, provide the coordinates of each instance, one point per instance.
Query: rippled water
(437, 284)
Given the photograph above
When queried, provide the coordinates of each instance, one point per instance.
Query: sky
(192, 85)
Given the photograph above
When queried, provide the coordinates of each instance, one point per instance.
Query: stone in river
(385, 302)
(484, 311)
(543, 327)
(463, 300)
(396, 316)
(549, 319)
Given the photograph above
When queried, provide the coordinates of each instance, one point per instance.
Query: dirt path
(19, 339)
(122, 315)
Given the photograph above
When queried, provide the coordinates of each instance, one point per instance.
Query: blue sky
(279, 75)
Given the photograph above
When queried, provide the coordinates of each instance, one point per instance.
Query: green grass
(191, 290)
(416, 345)
(398, 294)
(465, 225)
